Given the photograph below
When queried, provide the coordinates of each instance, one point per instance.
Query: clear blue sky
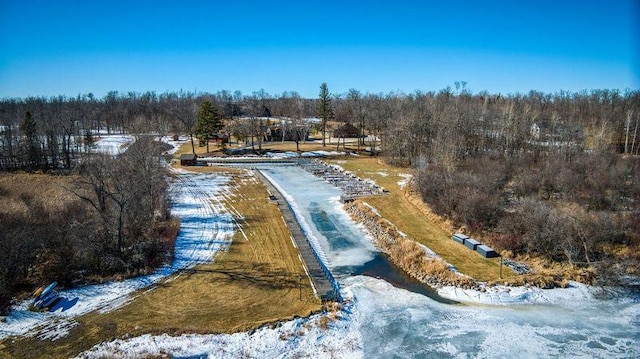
(70, 47)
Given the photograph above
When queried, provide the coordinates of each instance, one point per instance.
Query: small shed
(459, 237)
(486, 251)
(471, 243)
(188, 159)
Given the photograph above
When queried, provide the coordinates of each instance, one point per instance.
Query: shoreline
(432, 270)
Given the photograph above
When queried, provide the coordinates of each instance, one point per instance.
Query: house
(188, 159)
(535, 131)
(293, 133)
(220, 138)
(555, 131)
(346, 131)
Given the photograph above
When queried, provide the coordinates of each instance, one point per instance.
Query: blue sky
(70, 47)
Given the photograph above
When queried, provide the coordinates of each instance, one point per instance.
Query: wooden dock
(322, 279)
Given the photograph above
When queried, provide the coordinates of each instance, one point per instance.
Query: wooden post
(300, 286)
(500, 267)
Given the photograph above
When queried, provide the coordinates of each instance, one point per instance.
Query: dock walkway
(326, 286)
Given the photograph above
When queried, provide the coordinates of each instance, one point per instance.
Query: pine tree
(209, 122)
(30, 131)
(324, 109)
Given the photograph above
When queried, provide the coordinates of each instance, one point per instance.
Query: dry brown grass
(412, 217)
(547, 274)
(404, 252)
(50, 189)
(254, 283)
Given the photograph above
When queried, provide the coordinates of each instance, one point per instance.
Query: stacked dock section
(475, 245)
(351, 185)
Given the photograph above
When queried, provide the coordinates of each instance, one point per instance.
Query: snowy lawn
(113, 144)
(320, 336)
(206, 227)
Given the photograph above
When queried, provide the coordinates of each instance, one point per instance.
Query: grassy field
(51, 189)
(254, 283)
(413, 217)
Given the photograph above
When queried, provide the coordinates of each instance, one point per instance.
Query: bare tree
(183, 107)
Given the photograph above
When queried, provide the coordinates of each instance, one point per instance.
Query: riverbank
(416, 260)
(426, 266)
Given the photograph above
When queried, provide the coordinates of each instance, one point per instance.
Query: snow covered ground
(113, 144)
(382, 321)
(299, 338)
(206, 227)
(406, 178)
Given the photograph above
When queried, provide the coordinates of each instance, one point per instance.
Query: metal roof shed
(459, 237)
(471, 243)
(486, 251)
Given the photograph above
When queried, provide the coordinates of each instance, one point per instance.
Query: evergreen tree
(30, 132)
(324, 109)
(209, 122)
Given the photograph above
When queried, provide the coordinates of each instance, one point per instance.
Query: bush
(50, 234)
(471, 195)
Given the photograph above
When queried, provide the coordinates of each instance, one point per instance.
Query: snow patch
(206, 227)
(406, 178)
(176, 144)
(503, 295)
(113, 144)
(293, 339)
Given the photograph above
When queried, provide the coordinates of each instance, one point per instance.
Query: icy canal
(406, 320)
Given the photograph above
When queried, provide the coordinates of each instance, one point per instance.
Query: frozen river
(394, 322)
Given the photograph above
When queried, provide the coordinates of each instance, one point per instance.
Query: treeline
(49, 133)
(553, 176)
(110, 218)
(576, 212)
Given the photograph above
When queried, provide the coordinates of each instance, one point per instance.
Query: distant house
(188, 159)
(220, 138)
(346, 131)
(293, 133)
(554, 131)
(535, 131)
